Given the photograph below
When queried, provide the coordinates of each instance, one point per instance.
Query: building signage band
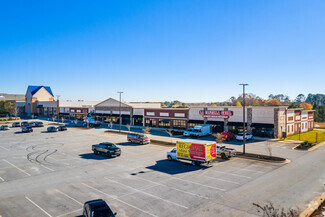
(215, 114)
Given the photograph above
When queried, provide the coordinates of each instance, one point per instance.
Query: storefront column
(225, 122)
(249, 119)
(205, 119)
(144, 121)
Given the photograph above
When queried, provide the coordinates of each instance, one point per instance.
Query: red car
(227, 136)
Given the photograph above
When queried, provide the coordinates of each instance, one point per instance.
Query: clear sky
(157, 50)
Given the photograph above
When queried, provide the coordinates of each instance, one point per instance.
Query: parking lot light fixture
(244, 127)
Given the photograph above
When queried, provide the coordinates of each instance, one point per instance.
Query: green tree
(293, 105)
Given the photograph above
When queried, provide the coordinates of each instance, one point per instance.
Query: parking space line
(208, 186)
(115, 198)
(186, 192)
(245, 169)
(228, 173)
(147, 193)
(46, 167)
(17, 167)
(4, 148)
(70, 197)
(223, 180)
(2, 179)
(38, 206)
(77, 210)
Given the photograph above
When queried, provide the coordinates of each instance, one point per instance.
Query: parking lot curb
(280, 161)
(313, 206)
(310, 149)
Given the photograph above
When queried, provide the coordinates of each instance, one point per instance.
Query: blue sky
(157, 50)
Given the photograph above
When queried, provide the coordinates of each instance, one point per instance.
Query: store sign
(216, 114)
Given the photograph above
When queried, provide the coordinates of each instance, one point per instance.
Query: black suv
(97, 208)
(107, 148)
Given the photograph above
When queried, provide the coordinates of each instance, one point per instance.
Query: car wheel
(130, 140)
(109, 155)
(141, 143)
(223, 156)
(170, 158)
(96, 152)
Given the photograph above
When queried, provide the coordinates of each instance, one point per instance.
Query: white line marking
(38, 206)
(186, 192)
(70, 197)
(208, 186)
(17, 167)
(154, 196)
(3, 181)
(237, 183)
(227, 173)
(77, 210)
(47, 167)
(240, 168)
(4, 148)
(115, 198)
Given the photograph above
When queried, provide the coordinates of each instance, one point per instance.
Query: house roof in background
(35, 89)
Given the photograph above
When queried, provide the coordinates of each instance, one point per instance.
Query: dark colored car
(97, 208)
(62, 128)
(39, 124)
(15, 124)
(24, 124)
(107, 148)
(52, 129)
(27, 129)
(31, 124)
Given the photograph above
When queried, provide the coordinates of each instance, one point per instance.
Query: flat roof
(203, 142)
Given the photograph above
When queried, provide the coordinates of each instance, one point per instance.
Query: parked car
(107, 148)
(138, 138)
(15, 124)
(4, 127)
(26, 129)
(225, 152)
(97, 208)
(24, 124)
(39, 124)
(52, 129)
(62, 128)
(31, 124)
(240, 136)
(227, 136)
(188, 132)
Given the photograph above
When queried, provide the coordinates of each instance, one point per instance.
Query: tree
(293, 105)
(300, 98)
(273, 102)
(238, 104)
(306, 106)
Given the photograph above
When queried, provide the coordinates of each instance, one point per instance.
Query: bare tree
(218, 138)
(53, 118)
(170, 135)
(269, 210)
(111, 124)
(268, 148)
(62, 119)
(129, 127)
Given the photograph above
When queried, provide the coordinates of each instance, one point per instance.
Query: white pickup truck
(225, 152)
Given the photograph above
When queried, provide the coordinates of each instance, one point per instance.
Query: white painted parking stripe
(257, 171)
(232, 174)
(4, 148)
(223, 180)
(176, 189)
(47, 167)
(168, 201)
(2, 179)
(115, 198)
(77, 210)
(38, 206)
(78, 202)
(208, 186)
(17, 167)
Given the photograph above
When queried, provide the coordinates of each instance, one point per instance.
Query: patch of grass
(314, 136)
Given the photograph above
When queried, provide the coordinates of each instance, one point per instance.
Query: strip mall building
(260, 121)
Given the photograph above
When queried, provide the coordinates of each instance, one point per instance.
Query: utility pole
(244, 127)
(120, 111)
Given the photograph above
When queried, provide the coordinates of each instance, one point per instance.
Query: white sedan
(240, 136)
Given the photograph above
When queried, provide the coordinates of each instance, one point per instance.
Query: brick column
(249, 119)
(276, 123)
(205, 119)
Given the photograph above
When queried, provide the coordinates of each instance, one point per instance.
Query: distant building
(12, 97)
(40, 100)
(78, 109)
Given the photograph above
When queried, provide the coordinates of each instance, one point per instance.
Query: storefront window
(164, 123)
(150, 122)
(179, 124)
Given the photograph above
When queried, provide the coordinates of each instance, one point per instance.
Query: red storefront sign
(215, 114)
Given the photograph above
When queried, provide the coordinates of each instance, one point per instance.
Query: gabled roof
(35, 89)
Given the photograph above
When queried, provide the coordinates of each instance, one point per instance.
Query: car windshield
(190, 130)
(103, 213)
(110, 145)
(143, 136)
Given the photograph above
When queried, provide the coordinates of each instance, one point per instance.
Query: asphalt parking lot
(53, 174)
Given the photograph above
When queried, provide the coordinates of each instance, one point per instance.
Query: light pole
(120, 110)
(244, 127)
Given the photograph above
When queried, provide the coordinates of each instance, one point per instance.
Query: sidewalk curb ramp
(313, 206)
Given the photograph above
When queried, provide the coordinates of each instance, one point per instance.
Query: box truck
(193, 150)
(201, 130)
